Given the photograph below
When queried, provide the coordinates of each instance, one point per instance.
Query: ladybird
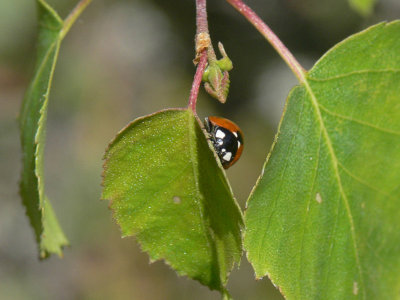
(227, 139)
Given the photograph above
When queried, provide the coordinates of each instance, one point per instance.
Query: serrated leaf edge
(43, 253)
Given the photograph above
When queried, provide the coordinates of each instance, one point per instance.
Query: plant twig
(74, 14)
(258, 23)
(197, 80)
(201, 16)
(202, 43)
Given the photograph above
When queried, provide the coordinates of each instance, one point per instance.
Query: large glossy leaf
(323, 221)
(166, 189)
(32, 125)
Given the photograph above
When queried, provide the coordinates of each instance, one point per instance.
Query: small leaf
(166, 189)
(363, 7)
(48, 233)
(323, 219)
(216, 75)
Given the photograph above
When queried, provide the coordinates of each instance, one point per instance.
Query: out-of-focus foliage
(121, 60)
(364, 7)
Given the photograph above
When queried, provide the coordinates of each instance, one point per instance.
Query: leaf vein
(349, 74)
(35, 79)
(328, 141)
(207, 233)
(358, 121)
(358, 179)
(307, 210)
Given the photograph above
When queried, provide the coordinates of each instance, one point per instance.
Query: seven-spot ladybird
(227, 139)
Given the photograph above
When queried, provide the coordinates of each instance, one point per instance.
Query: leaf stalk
(271, 37)
(202, 44)
(73, 16)
(197, 80)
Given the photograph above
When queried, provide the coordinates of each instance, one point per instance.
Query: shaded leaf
(48, 233)
(166, 189)
(323, 219)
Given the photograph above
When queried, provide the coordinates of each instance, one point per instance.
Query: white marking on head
(235, 133)
(220, 134)
(227, 156)
(223, 150)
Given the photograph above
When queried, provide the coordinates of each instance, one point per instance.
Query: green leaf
(166, 189)
(323, 219)
(363, 7)
(48, 233)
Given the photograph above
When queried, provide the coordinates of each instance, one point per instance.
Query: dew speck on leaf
(177, 200)
(355, 288)
(318, 198)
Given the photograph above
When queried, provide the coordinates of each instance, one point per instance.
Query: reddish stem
(286, 55)
(197, 80)
(202, 28)
(201, 16)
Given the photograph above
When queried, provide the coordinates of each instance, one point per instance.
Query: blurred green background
(122, 60)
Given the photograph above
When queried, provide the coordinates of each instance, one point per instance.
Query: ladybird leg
(207, 125)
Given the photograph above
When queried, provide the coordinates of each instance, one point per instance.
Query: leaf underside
(49, 235)
(166, 189)
(323, 219)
